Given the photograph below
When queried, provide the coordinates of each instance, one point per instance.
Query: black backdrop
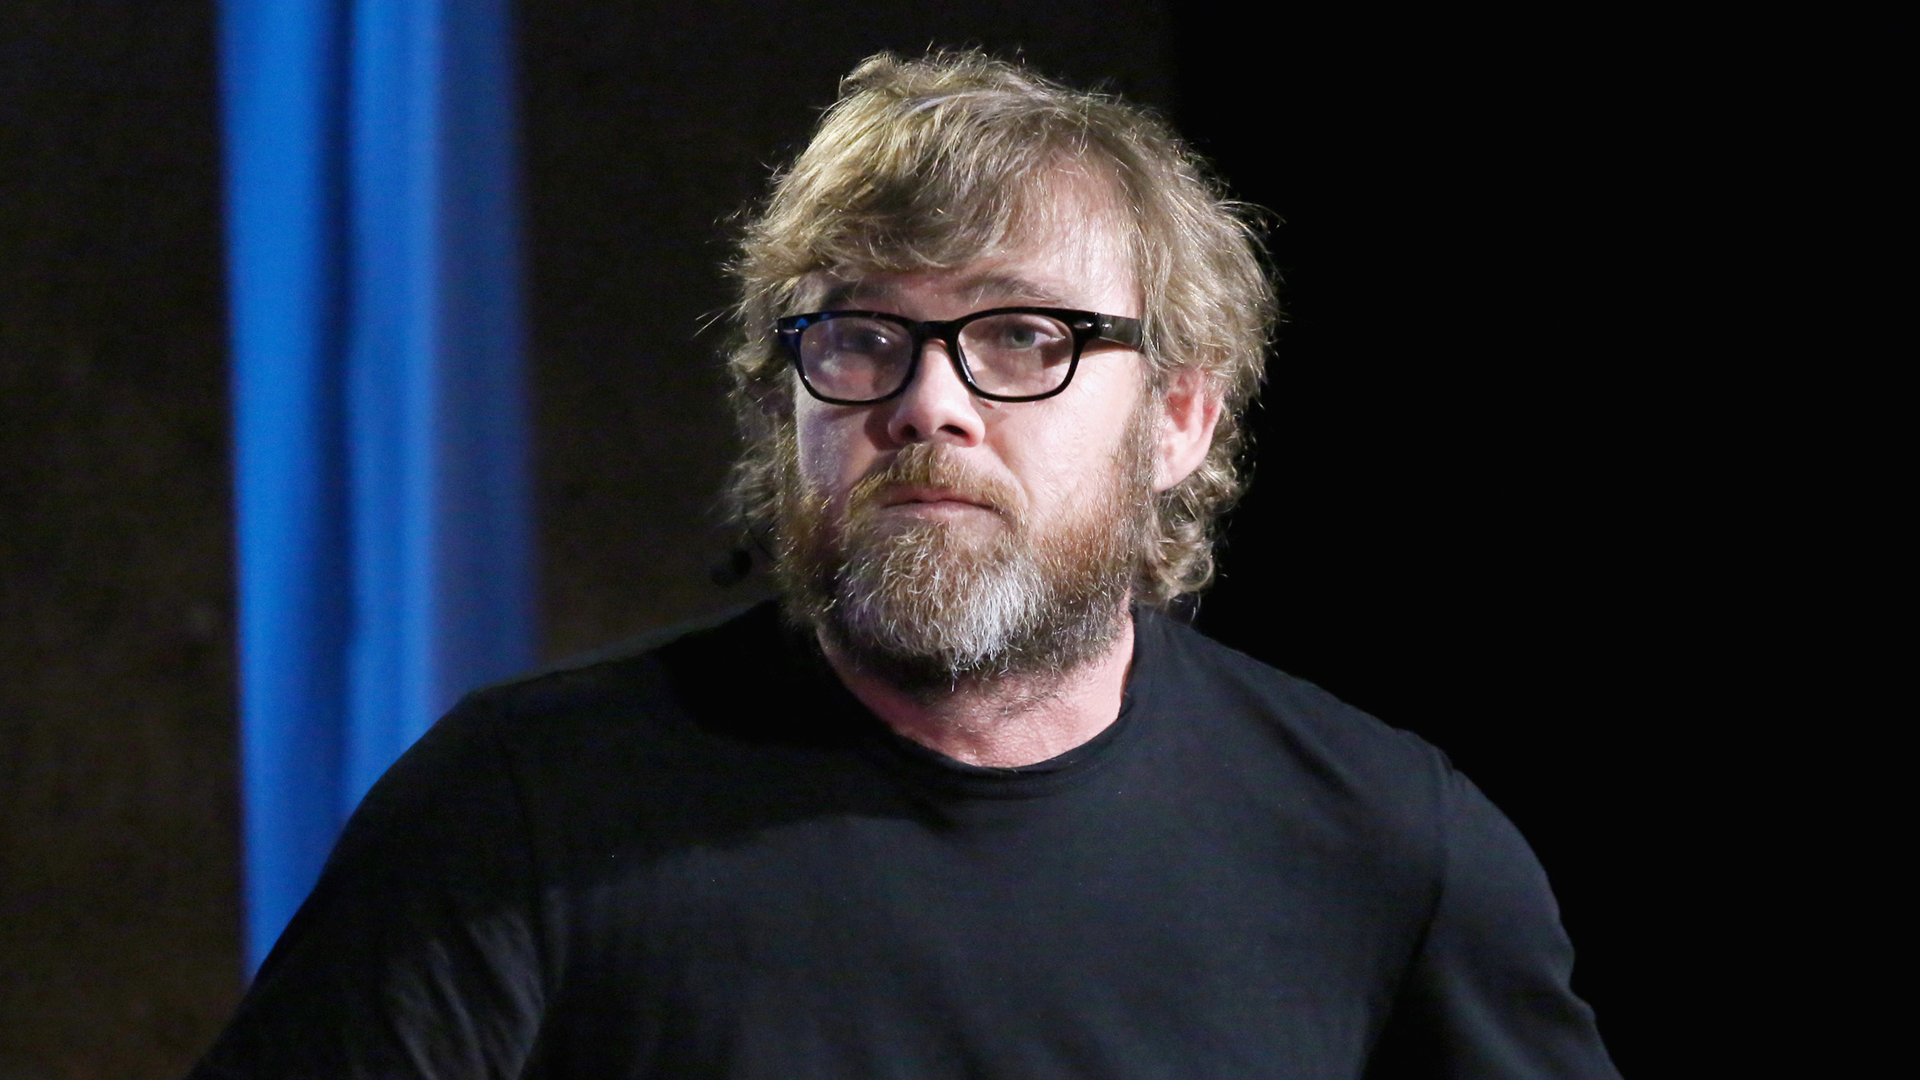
(1477, 509)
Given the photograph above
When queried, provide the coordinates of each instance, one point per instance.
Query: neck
(1005, 721)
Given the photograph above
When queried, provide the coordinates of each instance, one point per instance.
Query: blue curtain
(380, 465)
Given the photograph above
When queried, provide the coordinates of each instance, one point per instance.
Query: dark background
(1477, 512)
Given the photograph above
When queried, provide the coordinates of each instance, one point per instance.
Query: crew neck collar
(924, 766)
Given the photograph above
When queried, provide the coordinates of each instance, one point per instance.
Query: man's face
(938, 534)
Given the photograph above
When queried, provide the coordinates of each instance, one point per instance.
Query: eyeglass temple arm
(1120, 330)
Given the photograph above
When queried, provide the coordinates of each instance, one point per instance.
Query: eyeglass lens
(860, 359)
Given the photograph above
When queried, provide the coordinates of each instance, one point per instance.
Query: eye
(862, 337)
(1021, 337)
(1019, 333)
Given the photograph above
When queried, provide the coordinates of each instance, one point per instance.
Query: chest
(1107, 933)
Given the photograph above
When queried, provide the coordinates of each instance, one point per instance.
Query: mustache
(929, 465)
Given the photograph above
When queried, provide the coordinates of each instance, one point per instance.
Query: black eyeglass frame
(1086, 326)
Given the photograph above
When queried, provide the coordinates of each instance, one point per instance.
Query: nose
(936, 406)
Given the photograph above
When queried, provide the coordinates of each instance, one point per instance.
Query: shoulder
(647, 731)
(1487, 989)
(1236, 698)
(717, 672)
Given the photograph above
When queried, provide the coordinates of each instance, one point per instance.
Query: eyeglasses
(1002, 354)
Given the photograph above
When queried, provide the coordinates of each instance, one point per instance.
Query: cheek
(1070, 456)
(828, 444)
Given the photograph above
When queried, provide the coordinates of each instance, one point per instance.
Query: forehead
(1067, 248)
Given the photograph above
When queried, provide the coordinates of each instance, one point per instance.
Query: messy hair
(930, 164)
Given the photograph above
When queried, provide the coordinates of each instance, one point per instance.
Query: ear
(1187, 418)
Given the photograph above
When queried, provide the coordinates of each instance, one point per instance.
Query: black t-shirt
(708, 860)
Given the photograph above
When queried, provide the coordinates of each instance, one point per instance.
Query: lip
(919, 496)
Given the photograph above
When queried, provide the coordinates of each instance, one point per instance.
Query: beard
(930, 604)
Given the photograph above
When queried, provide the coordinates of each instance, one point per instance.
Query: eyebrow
(1010, 287)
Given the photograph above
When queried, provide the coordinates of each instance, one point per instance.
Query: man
(965, 803)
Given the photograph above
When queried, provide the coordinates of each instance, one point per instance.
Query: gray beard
(930, 606)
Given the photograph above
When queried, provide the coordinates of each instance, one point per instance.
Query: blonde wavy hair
(935, 162)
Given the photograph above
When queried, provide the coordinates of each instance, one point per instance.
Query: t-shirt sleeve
(417, 954)
(1488, 995)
